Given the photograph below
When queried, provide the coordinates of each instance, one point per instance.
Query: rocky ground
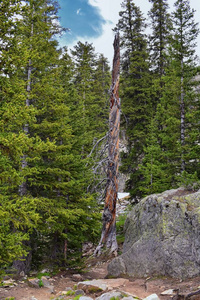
(66, 285)
(93, 283)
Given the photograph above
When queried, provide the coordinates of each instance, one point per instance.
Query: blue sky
(82, 19)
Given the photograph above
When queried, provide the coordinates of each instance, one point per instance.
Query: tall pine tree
(185, 32)
(135, 83)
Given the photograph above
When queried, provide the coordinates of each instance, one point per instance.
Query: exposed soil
(138, 287)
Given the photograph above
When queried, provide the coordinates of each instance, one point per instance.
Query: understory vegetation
(54, 107)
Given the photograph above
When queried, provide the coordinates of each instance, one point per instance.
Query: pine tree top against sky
(93, 21)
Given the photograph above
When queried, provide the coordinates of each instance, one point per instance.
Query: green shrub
(40, 283)
(70, 293)
(77, 297)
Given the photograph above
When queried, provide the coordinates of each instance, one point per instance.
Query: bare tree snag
(108, 235)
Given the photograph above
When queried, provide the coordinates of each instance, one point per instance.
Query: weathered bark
(108, 235)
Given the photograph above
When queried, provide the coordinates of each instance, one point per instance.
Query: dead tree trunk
(108, 235)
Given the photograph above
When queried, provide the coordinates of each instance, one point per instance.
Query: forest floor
(96, 268)
(135, 286)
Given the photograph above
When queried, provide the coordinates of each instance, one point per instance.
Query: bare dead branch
(97, 143)
(108, 235)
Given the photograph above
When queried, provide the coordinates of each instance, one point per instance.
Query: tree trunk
(108, 235)
(23, 265)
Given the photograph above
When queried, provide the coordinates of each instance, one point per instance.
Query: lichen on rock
(162, 237)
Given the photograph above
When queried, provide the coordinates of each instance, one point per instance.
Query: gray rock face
(162, 237)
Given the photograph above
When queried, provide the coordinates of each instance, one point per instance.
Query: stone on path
(169, 292)
(85, 298)
(152, 297)
(92, 286)
(130, 298)
(77, 277)
(108, 296)
(103, 284)
(79, 292)
(33, 298)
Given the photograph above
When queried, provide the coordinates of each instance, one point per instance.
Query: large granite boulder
(162, 237)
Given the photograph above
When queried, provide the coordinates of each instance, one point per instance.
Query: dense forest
(54, 107)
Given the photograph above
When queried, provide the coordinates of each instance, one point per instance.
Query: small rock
(169, 292)
(22, 274)
(47, 284)
(108, 296)
(6, 277)
(9, 283)
(68, 289)
(128, 295)
(85, 298)
(45, 271)
(152, 297)
(33, 298)
(77, 277)
(79, 292)
(63, 293)
(45, 281)
(33, 282)
(92, 286)
(130, 298)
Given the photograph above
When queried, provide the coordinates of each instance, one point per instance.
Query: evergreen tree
(92, 99)
(18, 214)
(92, 81)
(159, 38)
(135, 83)
(161, 162)
(102, 81)
(84, 57)
(57, 173)
(43, 188)
(185, 32)
(177, 133)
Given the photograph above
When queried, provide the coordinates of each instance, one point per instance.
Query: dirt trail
(138, 287)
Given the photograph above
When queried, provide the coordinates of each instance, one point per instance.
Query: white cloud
(109, 9)
(110, 12)
(78, 12)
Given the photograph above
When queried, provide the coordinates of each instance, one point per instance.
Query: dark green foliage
(44, 178)
(92, 83)
(135, 93)
(54, 110)
(159, 38)
(185, 32)
(159, 99)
